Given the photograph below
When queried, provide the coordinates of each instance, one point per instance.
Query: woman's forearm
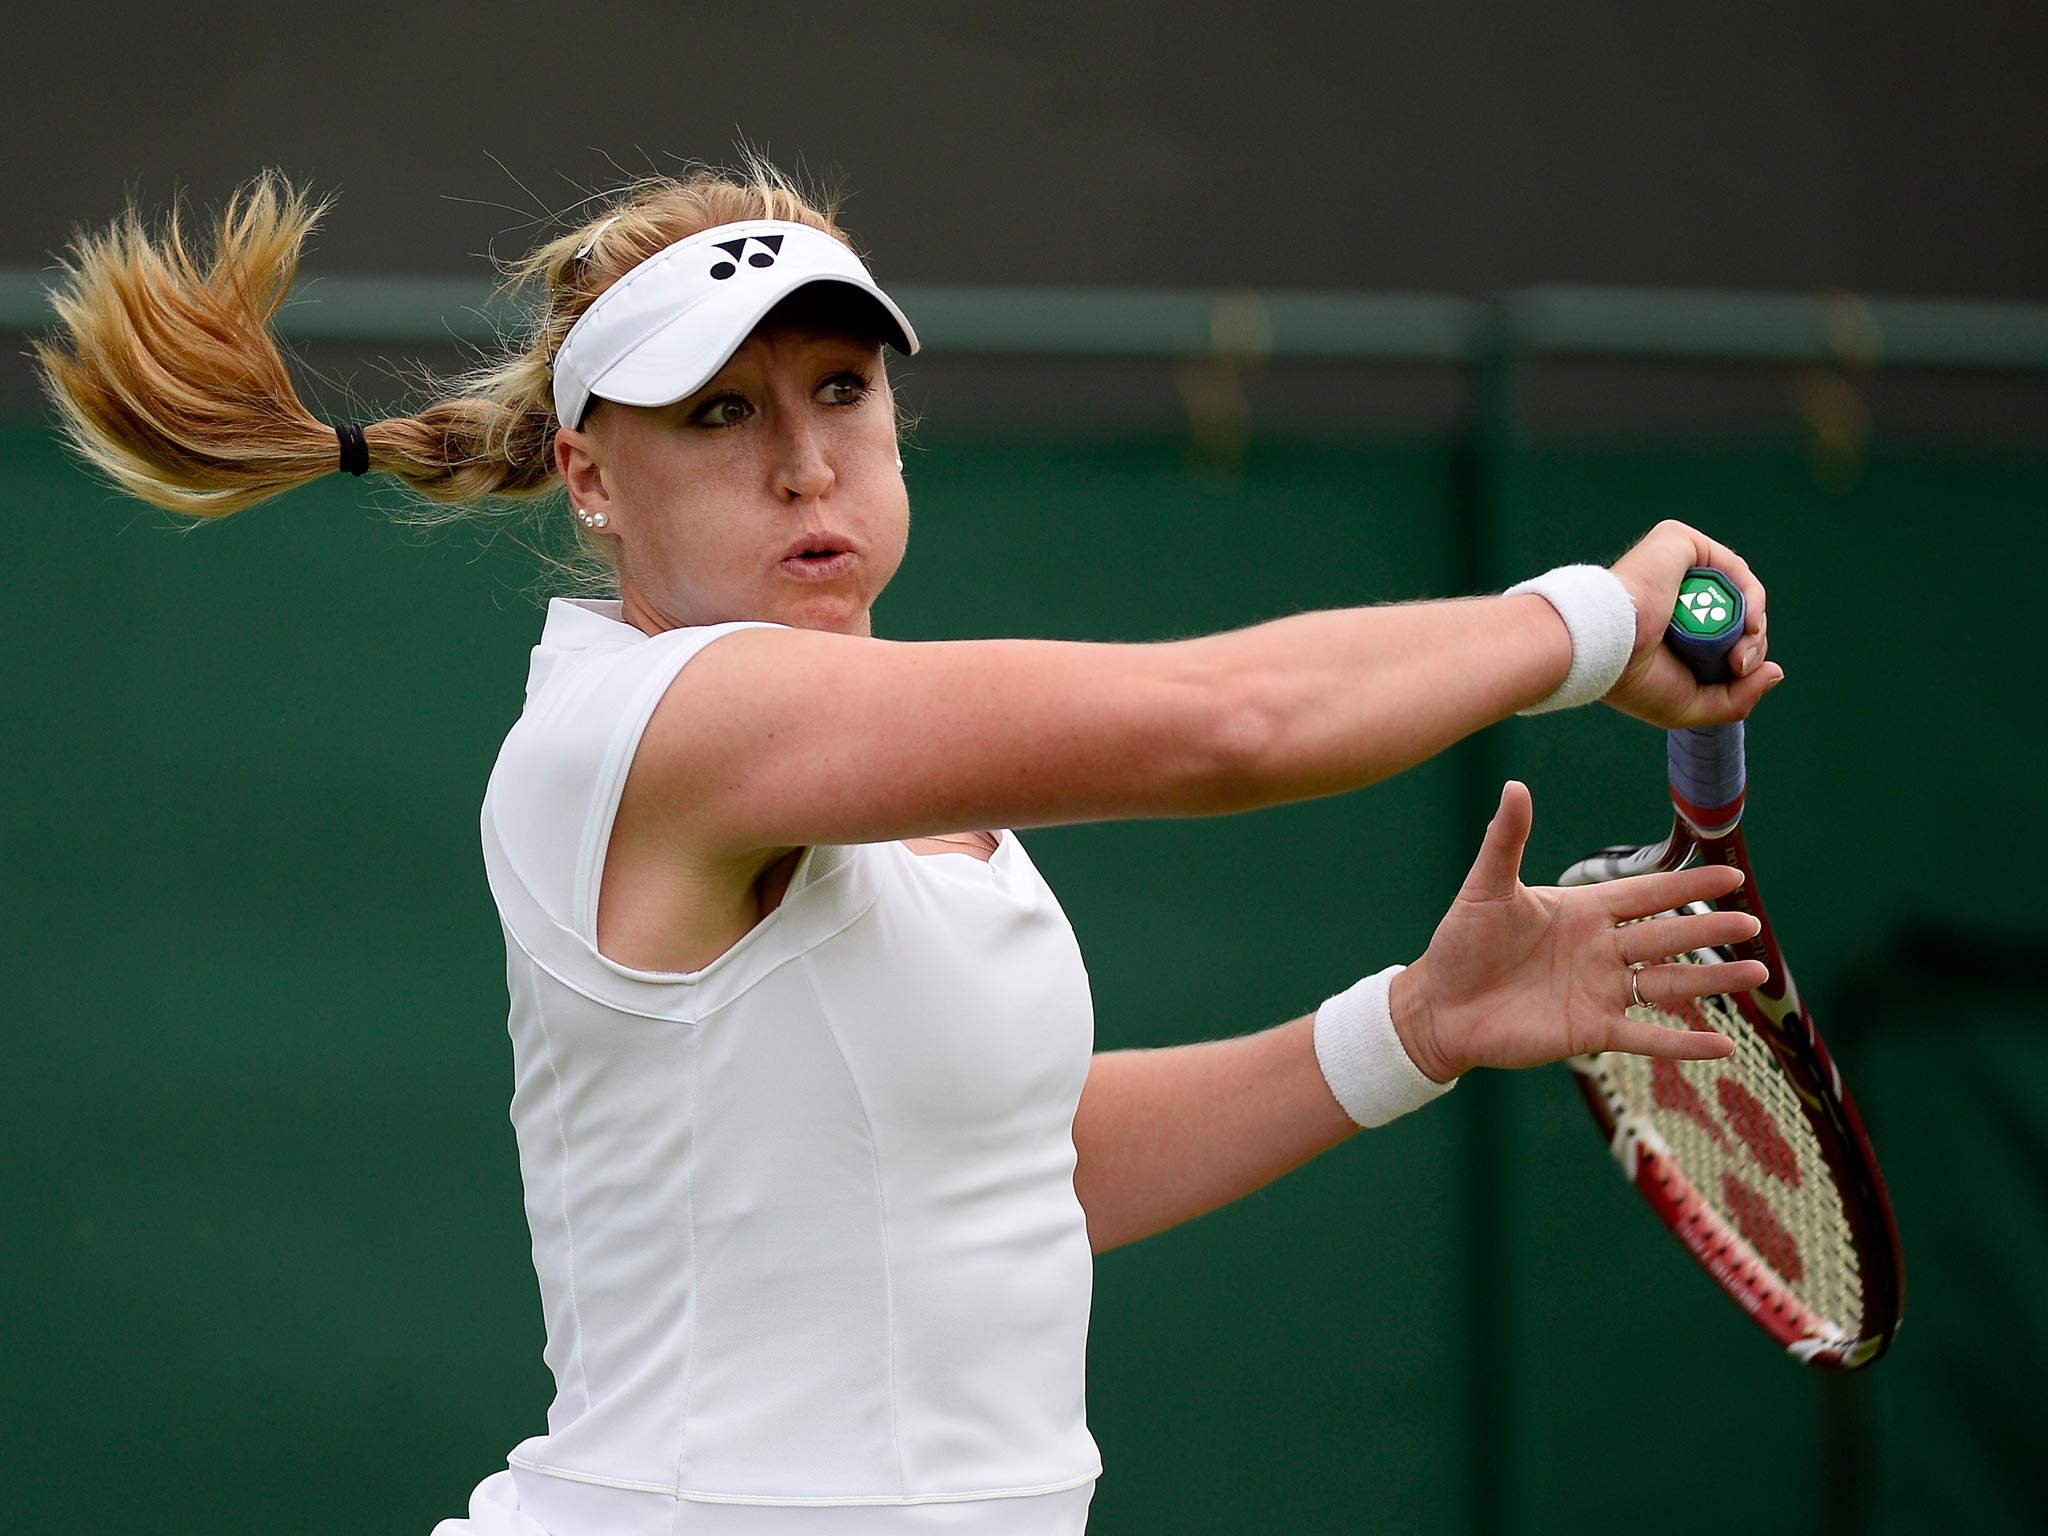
(1335, 700)
(1162, 1136)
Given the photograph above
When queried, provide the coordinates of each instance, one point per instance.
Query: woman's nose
(804, 470)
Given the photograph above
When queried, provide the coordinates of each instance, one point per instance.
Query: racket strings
(1738, 1133)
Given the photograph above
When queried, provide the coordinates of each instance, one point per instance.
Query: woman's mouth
(819, 564)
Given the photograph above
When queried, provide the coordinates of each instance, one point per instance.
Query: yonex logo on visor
(663, 330)
(736, 248)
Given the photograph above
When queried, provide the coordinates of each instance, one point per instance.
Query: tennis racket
(1758, 1163)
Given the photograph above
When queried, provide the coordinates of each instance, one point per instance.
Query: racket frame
(1781, 1020)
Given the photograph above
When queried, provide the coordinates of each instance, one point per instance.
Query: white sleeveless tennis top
(804, 1220)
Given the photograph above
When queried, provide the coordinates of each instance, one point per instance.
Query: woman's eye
(725, 411)
(843, 389)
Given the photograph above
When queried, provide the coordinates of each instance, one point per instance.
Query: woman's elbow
(1242, 761)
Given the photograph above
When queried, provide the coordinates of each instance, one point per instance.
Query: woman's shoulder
(586, 645)
(594, 683)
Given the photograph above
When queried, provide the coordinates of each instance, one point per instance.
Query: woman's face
(774, 492)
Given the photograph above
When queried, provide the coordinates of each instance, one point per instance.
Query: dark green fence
(265, 1265)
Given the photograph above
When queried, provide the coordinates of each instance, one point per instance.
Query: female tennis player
(815, 1147)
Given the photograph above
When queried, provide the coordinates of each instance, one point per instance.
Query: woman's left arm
(1164, 1135)
(1513, 977)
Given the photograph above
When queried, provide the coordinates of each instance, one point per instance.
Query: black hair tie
(355, 448)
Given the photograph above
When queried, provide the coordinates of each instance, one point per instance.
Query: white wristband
(1601, 618)
(1363, 1059)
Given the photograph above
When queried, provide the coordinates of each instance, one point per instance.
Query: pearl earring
(899, 461)
(591, 520)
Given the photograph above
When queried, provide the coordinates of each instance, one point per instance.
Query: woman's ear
(579, 456)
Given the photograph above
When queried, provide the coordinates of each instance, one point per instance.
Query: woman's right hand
(1655, 685)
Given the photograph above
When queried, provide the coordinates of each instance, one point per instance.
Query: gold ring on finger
(1635, 991)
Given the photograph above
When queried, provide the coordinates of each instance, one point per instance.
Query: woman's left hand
(1516, 976)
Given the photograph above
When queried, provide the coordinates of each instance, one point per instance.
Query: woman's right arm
(785, 737)
(780, 738)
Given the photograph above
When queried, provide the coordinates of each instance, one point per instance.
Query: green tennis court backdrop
(265, 1267)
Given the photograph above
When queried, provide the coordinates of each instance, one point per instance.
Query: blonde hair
(169, 379)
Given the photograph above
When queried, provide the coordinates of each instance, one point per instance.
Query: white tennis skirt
(529, 1504)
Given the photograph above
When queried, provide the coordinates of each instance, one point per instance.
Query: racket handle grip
(1706, 763)
(1707, 769)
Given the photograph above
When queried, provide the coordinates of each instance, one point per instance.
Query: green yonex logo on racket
(1705, 607)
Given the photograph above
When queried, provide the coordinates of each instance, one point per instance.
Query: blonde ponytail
(171, 384)
(169, 380)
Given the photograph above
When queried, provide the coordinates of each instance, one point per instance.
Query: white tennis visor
(663, 330)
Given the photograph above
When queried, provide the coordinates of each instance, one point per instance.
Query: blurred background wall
(262, 1261)
(1885, 147)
